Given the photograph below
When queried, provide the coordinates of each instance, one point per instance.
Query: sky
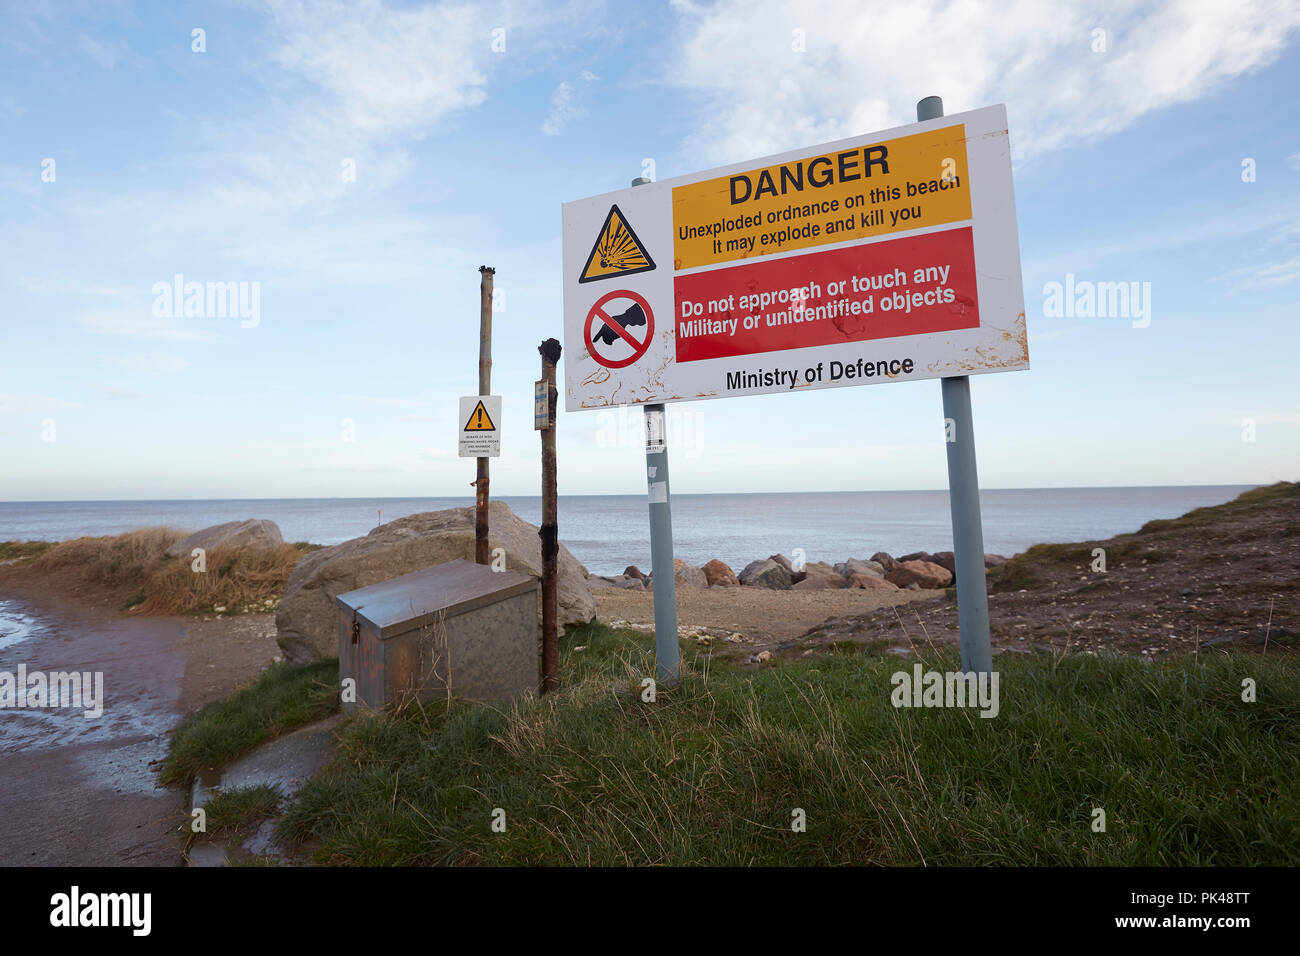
(356, 163)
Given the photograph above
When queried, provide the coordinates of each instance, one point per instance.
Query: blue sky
(226, 165)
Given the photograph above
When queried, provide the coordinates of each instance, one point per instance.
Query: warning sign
(616, 338)
(479, 435)
(813, 201)
(479, 420)
(892, 256)
(616, 252)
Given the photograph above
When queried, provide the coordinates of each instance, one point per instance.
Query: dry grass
(237, 579)
(125, 560)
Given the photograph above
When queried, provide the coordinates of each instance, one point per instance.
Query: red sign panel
(879, 290)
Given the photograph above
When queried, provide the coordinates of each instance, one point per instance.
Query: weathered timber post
(484, 388)
(549, 531)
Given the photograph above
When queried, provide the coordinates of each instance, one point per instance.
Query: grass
(240, 809)
(1200, 517)
(22, 550)
(236, 579)
(281, 698)
(1027, 570)
(1187, 773)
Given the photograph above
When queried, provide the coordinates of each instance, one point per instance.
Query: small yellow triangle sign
(479, 420)
(617, 252)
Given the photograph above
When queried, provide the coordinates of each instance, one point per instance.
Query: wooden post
(549, 531)
(481, 554)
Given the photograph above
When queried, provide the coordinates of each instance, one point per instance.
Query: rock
(916, 556)
(924, 574)
(883, 559)
(912, 587)
(766, 574)
(856, 566)
(598, 581)
(630, 584)
(820, 576)
(307, 622)
(870, 581)
(946, 560)
(688, 575)
(994, 561)
(632, 571)
(782, 560)
(719, 574)
(761, 656)
(253, 533)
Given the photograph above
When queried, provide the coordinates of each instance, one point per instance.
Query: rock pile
(920, 570)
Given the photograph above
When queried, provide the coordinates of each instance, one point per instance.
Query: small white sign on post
(480, 426)
(541, 405)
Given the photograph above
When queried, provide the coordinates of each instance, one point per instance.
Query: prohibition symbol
(614, 327)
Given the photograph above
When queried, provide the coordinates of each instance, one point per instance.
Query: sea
(609, 532)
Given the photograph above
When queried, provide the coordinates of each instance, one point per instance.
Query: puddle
(15, 623)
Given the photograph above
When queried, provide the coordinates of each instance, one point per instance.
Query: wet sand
(80, 791)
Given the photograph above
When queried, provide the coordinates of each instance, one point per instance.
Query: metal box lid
(404, 603)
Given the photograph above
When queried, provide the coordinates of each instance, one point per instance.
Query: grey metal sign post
(668, 671)
(964, 502)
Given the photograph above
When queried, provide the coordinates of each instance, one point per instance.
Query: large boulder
(883, 559)
(819, 576)
(857, 566)
(994, 560)
(307, 621)
(947, 560)
(253, 533)
(766, 574)
(869, 582)
(719, 574)
(924, 574)
(917, 556)
(688, 575)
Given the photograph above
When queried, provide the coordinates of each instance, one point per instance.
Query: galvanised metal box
(457, 629)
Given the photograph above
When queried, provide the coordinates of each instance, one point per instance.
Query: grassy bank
(710, 774)
(281, 699)
(134, 566)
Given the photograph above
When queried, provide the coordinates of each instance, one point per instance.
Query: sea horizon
(608, 532)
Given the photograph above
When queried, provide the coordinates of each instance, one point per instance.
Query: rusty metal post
(481, 554)
(549, 531)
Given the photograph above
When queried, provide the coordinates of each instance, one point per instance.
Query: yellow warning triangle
(617, 252)
(480, 420)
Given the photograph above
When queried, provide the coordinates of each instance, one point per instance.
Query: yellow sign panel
(617, 251)
(479, 420)
(892, 186)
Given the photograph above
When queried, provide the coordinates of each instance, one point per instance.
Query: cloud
(864, 65)
(151, 363)
(587, 76)
(1294, 161)
(105, 54)
(385, 401)
(562, 110)
(32, 404)
(143, 324)
(387, 70)
(1267, 275)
